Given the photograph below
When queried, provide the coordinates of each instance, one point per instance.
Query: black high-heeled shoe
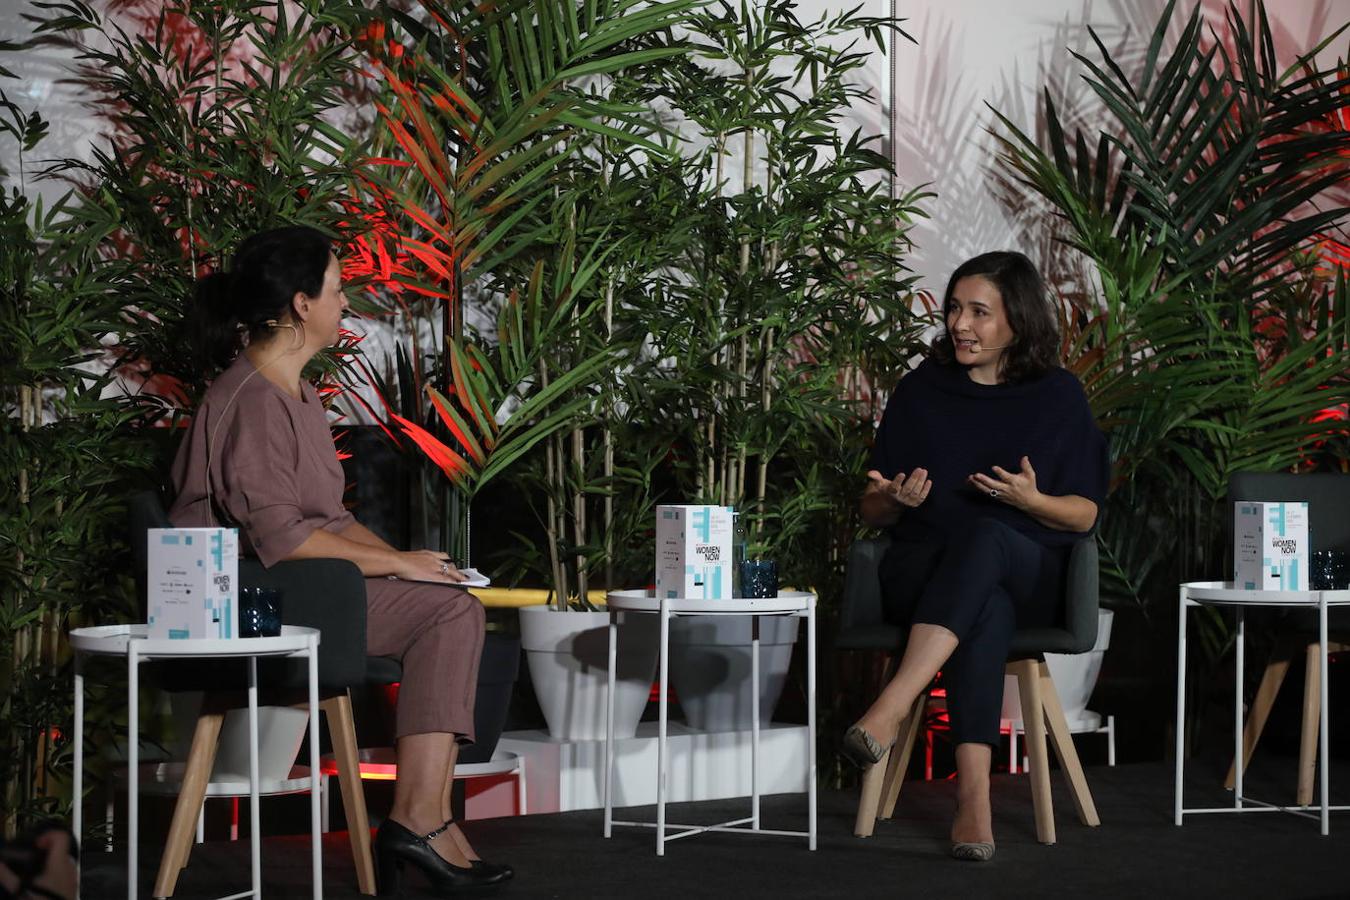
(396, 845)
(505, 869)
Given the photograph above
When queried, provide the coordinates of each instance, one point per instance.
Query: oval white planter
(568, 657)
(710, 668)
(1075, 676)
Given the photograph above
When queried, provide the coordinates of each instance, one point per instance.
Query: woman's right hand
(905, 491)
(427, 565)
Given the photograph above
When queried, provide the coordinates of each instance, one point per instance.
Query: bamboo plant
(484, 107)
(66, 457)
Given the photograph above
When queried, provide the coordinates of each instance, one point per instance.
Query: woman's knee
(464, 610)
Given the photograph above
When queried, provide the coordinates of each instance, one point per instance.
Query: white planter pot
(568, 658)
(710, 668)
(1075, 676)
(281, 729)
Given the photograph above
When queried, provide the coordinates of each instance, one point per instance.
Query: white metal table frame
(132, 642)
(794, 604)
(1220, 593)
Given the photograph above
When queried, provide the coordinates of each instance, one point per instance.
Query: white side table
(131, 641)
(1224, 593)
(797, 604)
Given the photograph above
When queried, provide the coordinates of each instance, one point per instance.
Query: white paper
(473, 578)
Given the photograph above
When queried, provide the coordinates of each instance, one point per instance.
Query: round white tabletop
(646, 601)
(115, 640)
(1226, 593)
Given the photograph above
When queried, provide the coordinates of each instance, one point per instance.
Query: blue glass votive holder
(759, 578)
(259, 612)
(1330, 570)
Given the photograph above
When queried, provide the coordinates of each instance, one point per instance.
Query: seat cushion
(1028, 642)
(383, 670)
(871, 637)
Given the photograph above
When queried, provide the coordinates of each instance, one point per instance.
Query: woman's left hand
(1017, 489)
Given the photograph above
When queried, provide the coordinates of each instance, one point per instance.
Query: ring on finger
(994, 493)
(445, 567)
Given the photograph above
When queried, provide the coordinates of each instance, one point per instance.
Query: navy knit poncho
(939, 419)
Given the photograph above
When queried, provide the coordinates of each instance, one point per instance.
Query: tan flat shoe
(973, 851)
(861, 748)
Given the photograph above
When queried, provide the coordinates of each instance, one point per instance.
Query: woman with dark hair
(988, 466)
(260, 456)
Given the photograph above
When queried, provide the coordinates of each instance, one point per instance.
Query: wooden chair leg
(1062, 740)
(1033, 717)
(1312, 721)
(196, 775)
(342, 730)
(873, 780)
(899, 763)
(864, 822)
(1271, 680)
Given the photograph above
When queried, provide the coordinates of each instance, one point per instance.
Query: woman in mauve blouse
(260, 456)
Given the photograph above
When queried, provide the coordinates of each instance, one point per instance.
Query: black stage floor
(1136, 853)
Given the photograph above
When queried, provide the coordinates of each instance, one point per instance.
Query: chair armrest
(861, 606)
(1082, 597)
(327, 594)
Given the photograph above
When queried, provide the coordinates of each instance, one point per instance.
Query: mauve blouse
(270, 459)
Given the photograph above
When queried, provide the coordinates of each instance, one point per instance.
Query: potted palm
(1209, 204)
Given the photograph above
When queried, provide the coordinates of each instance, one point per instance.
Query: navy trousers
(981, 586)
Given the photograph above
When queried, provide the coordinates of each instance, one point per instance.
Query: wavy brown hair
(1035, 344)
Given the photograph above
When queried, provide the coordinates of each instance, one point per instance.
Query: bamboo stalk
(550, 525)
(765, 401)
(699, 454)
(579, 511)
(711, 482)
(607, 440)
(578, 445)
(558, 488)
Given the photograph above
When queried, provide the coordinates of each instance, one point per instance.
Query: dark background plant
(67, 454)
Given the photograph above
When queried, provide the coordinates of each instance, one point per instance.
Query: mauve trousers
(436, 632)
(980, 587)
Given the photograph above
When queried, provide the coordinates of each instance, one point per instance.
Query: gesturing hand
(1017, 489)
(428, 565)
(909, 492)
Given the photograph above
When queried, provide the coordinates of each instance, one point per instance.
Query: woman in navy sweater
(988, 466)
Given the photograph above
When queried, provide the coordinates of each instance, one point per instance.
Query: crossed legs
(928, 649)
(963, 623)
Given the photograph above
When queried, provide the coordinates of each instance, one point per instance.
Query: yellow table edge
(514, 598)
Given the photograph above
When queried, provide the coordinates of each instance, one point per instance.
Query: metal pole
(754, 722)
(254, 821)
(1240, 659)
(609, 722)
(1181, 700)
(811, 720)
(133, 765)
(316, 851)
(1324, 738)
(661, 733)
